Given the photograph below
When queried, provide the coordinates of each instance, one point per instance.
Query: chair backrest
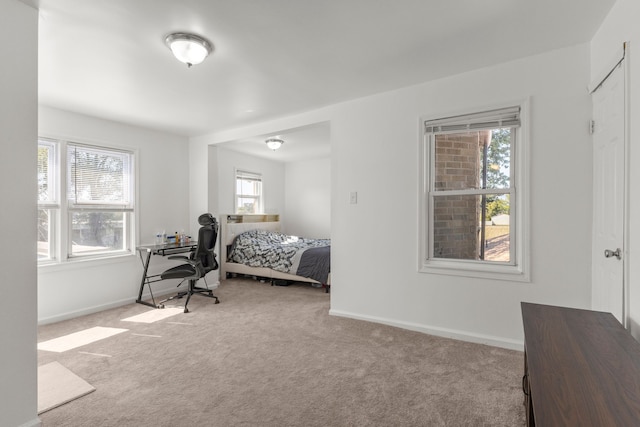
(207, 237)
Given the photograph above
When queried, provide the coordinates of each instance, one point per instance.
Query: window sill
(77, 263)
(479, 270)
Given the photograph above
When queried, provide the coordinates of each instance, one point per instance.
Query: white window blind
(47, 170)
(99, 177)
(248, 176)
(501, 118)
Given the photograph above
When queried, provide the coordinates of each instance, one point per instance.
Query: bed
(254, 245)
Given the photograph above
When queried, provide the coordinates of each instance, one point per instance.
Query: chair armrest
(192, 262)
(182, 257)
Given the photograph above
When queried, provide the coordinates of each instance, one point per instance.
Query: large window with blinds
(96, 218)
(248, 192)
(472, 201)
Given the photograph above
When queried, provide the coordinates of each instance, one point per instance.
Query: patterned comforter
(280, 252)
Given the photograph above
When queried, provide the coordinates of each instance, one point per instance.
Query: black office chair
(198, 264)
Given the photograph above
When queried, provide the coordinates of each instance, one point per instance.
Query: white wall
(76, 288)
(221, 162)
(18, 135)
(621, 26)
(199, 201)
(308, 198)
(299, 191)
(272, 179)
(374, 151)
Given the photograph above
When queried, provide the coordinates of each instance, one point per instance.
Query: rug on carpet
(57, 385)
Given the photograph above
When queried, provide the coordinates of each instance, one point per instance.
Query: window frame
(62, 227)
(517, 269)
(52, 204)
(238, 174)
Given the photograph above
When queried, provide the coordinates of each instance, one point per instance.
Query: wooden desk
(582, 368)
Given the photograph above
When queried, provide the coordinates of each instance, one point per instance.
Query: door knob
(608, 253)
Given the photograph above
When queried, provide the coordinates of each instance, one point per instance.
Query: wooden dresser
(581, 368)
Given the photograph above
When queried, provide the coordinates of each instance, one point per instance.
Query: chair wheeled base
(193, 289)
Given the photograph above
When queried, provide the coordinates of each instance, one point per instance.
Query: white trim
(36, 422)
(84, 262)
(436, 331)
(626, 317)
(101, 307)
(610, 66)
(476, 269)
(168, 289)
(474, 192)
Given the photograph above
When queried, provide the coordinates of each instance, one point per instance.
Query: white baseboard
(158, 294)
(32, 423)
(437, 331)
(77, 313)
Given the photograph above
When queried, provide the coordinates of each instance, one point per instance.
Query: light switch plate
(353, 198)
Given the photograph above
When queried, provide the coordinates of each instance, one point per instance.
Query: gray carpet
(272, 356)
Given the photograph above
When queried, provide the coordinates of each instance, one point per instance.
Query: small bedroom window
(472, 195)
(248, 192)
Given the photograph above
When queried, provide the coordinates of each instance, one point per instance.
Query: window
(471, 205)
(48, 198)
(98, 214)
(248, 192)
(99, 192)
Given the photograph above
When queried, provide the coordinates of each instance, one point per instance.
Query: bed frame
(235, 224)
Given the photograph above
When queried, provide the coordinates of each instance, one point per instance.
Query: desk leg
(145, 268)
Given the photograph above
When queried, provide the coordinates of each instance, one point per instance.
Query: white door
(608, 288)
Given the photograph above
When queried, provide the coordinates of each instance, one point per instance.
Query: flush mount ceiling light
(188, 48)
(274, 143)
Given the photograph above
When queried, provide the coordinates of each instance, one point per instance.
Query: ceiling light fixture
(274, 143)
(188, 48)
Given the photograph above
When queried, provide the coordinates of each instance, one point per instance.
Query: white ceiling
(274, 58)
(300, 144)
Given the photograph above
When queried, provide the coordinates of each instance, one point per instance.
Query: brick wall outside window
(456, 218)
